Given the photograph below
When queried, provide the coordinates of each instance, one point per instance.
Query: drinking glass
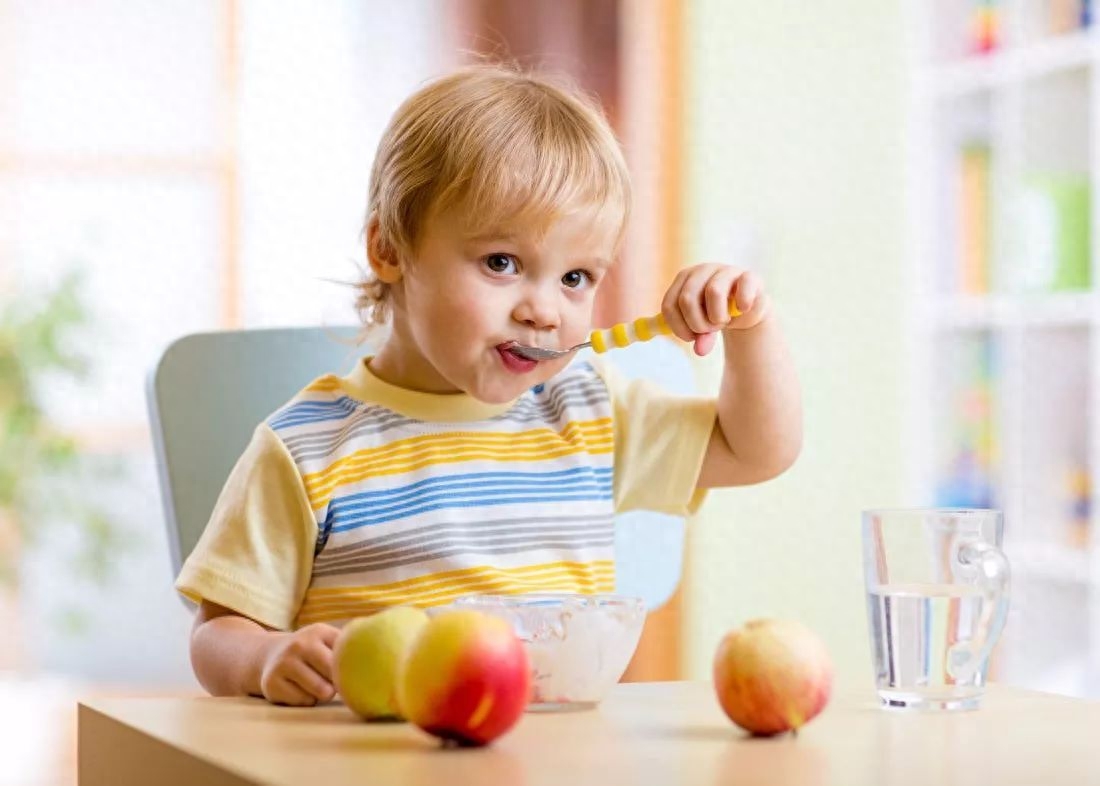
(937, 587)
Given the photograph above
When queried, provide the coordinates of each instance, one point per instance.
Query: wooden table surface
(644, 733)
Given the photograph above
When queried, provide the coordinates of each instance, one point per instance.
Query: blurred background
(912, 179)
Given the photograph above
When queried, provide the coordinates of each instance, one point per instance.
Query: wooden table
(645, 733)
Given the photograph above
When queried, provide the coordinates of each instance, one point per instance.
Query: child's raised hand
(697, 303)
(298, 669)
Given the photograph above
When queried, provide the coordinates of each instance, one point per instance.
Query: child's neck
(397, 368)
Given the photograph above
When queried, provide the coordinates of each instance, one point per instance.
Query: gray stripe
(356, 567)
(374, 416)
(553, 410)
(496, 525)
(378, 420)
(555, 397)
(443, 537)
(321, 445)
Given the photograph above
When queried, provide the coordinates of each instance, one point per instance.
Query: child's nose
(539, 312)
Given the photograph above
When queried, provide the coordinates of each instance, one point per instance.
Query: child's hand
(697, 304)
(298, 669)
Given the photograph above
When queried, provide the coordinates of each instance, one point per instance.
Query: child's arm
(233, 655)
(759, 429)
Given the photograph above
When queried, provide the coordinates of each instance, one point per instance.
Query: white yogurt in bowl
(578, 645)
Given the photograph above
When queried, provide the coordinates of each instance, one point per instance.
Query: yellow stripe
(429, 583)
(542, 437)
(500, 585)
(310, 613)
(593, 437)
(599, 341)
(442, 588)
(618, 335)
(641, 328)
(320, 495)
(321, 492)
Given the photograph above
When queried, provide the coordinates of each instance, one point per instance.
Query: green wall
(795, 163)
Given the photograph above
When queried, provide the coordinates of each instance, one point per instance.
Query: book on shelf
(1050, 233)
(974, 219)
(1079, 503)
(985, 26)
(1066, 16)
(968, 443)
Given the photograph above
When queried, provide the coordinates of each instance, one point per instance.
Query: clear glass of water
(937, 598)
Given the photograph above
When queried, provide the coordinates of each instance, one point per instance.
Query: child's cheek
(578, 323)
(464, 314)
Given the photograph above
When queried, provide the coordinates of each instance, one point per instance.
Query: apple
(367, 656)
(772, 676)
(466, 679)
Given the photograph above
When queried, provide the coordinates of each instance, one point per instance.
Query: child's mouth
(512, 361)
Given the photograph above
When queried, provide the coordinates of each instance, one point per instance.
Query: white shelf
(981, 312)
(1028, 404)
(977, 73)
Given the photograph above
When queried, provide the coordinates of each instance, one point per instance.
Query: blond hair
(498, 144)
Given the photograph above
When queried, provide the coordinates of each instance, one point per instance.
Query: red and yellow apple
(367, 657)
(466, 678)
(772, 676)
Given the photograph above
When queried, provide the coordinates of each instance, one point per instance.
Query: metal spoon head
(538, 353)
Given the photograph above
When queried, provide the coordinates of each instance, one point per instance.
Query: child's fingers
(746, 292)
(285, 691)
(691, 299)
(305, 677)
(705, 343)
(671, 310)
(318, 655)
(329, 633)
(717, 296)
(676, 323)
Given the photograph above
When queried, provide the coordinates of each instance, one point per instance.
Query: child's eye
(500, 263)
(575, 279)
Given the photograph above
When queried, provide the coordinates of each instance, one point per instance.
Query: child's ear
(381, 255)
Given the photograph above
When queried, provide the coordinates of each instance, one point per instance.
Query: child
(446, 464)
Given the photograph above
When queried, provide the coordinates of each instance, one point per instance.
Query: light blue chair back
(209, 391)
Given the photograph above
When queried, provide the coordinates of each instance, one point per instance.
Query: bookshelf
(1004, 346)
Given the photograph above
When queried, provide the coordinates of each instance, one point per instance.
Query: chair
(208, 391)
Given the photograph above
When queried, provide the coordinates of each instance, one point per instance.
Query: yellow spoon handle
(642, 329)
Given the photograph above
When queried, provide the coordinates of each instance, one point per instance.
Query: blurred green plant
(40, 464)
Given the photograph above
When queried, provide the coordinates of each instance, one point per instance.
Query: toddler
(445, 463)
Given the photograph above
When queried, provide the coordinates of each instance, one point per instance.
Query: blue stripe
(298, 416)
(473, 480)
(483, 493)
(313, 412)
(480, 501)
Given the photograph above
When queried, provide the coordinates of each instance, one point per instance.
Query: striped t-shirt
(358, 495)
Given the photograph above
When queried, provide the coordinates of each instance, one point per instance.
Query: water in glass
(915, 630)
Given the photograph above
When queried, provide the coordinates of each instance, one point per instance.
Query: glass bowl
(579, 645)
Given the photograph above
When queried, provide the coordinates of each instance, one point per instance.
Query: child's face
(468, 293)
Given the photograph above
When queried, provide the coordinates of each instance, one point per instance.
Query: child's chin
(502, 394)
(498, 396)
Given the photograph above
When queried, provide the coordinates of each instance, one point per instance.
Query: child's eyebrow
(595, 262)
(485, 237)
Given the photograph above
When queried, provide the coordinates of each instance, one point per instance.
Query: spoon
(621, 335)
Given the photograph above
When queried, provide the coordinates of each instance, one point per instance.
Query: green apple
(367, 656)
